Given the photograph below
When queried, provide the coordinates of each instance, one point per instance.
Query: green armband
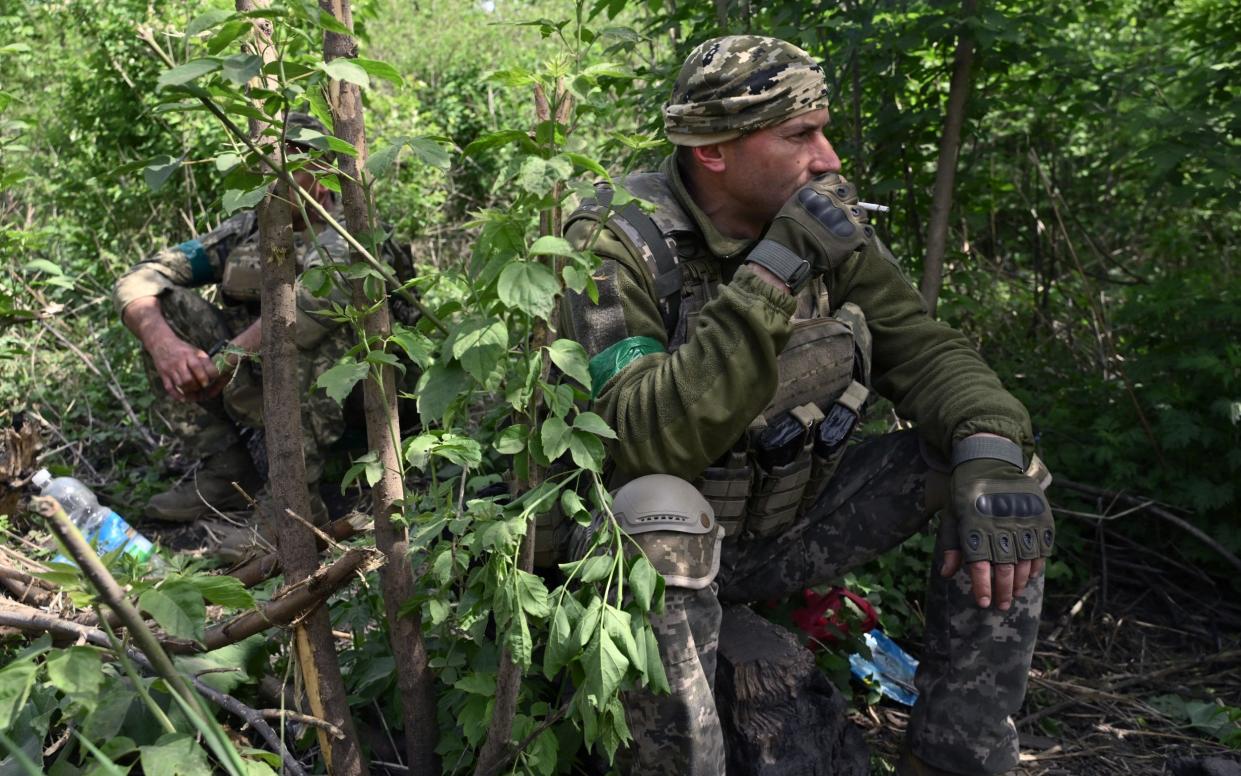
(608, 362)
(200, 265)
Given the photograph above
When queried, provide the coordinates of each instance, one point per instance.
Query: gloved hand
(818, 228)
(996, 514)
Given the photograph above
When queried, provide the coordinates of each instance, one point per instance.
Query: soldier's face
(764, 168)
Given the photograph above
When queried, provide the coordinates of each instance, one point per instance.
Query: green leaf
(593, 424)
(183, 74)
(178, 608)
(642, 576)
(206, 20)
(378, 69)
(532, 594)
(477, 684)
(223, 590)
(240, 68)
(235, 199)
(439, 387)
(619, 626)
(559, 650)
(512, 440)
(159, 170)
(379, 162)
(15, 681)
(548, 245)
(338, 381)
(587, 450)
(44, 266)
(555, 436)
(102, 764)
(227, 161)
(596, 568)
(529, 287)
(656, 679)
(417, 346)
(460, 450)
(175, 754)
(571, 358)
(572, 506)
(605, 667)
(346, 70)
(430, 150)
(330, 23)
(495, 140)
(519, 642)
(479, 345)
(76, 672)
(587, 163)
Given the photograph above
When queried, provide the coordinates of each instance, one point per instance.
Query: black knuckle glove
(996, 513)
(818, 228)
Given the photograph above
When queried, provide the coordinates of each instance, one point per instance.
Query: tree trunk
(313, 641)
(946, 169)
(413, 676)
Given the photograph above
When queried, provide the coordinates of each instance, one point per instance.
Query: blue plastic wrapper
(891, 667)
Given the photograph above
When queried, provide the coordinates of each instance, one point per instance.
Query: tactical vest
(824, 368)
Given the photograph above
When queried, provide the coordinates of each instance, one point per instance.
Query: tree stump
(779, 713)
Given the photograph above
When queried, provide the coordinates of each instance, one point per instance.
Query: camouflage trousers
(972, 675)
(209, 427)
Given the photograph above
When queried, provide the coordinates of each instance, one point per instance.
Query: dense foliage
(1092, 256)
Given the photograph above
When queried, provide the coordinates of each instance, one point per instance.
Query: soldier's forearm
(145, 319)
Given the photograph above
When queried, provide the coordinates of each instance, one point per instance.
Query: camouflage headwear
(733, 85)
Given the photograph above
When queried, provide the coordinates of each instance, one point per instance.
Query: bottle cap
(41, 478)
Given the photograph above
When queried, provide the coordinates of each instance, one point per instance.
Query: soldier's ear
(710, 157)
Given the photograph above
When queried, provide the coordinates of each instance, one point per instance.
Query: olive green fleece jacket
(675, 413)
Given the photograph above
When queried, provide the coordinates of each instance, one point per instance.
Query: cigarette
(871, 206)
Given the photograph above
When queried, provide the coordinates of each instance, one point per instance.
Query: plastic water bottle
(100, 525)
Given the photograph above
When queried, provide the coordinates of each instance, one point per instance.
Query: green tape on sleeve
(200, 265)
(607, 363)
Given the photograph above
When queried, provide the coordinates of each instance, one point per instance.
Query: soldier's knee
(674, 525)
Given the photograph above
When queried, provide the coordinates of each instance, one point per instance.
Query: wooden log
(780, 714)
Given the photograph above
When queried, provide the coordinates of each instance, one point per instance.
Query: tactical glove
(996, 513)
(818, 228)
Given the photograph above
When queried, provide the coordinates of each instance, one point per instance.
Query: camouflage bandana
(734, 85)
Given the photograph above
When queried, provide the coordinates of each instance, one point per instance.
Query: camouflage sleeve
(928, 369)
(193, 263)
(675, 413)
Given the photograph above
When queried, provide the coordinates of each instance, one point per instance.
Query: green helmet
(737, 84)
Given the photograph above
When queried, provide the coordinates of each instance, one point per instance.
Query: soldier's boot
(207, 490)
(242, 543)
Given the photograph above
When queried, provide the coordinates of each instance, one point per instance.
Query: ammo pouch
(779, 488)
(823, 374)
(726, 487)
(243, 277)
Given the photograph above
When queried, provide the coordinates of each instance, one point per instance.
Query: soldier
(739, 329)
(210, 393)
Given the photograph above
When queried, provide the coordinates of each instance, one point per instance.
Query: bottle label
(113, 532)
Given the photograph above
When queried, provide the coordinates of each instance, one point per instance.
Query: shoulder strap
(643, 237)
